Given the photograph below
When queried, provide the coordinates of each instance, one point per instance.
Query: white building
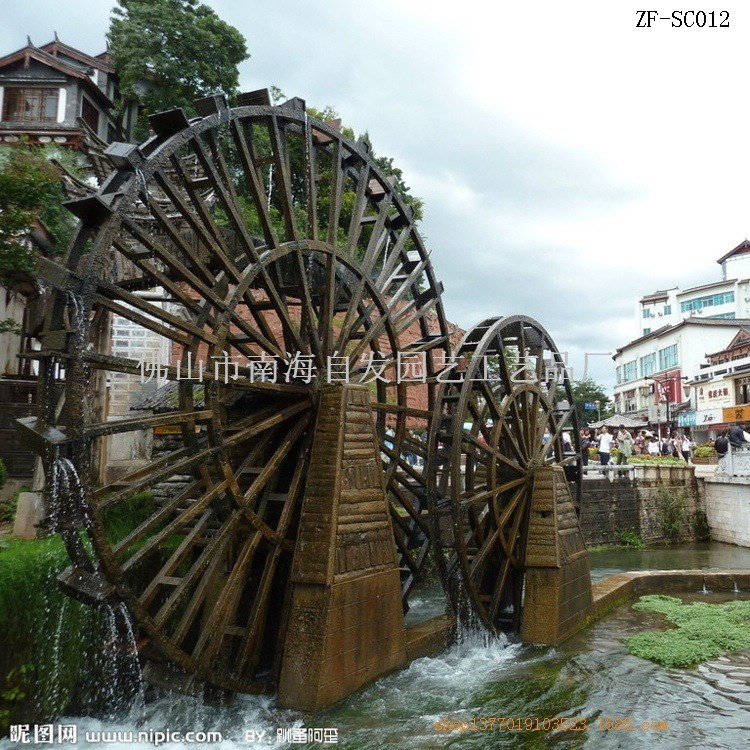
(727, 298)
(720, 394)
(652, 370)
(132, 341)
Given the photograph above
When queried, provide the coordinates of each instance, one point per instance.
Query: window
(629, 371)
(723, 315)
(646, 330)
(648, 365)
(90, 115)
(30, 105)
(668, 357)
(646, 312)
(723, 298)
(667, 309)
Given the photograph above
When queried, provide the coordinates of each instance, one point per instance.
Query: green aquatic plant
(630, 538)
(670, 508)
(704, 631)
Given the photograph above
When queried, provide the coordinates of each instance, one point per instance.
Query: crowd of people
(640, 443)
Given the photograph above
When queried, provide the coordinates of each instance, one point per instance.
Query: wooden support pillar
(557, 583)
(346, 620)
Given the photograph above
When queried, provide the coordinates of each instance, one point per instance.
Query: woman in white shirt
(605, 445)
(685, 448)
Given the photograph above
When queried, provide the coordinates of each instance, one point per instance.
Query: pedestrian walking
(721, 444)
(624, 444)
(605, 445)
(685, 446)
(585, 444)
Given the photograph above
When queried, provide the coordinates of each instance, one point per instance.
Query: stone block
(29, 513)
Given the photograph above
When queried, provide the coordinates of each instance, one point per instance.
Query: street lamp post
(598, 411)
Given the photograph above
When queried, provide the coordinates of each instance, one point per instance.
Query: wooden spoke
(181, 521)
(255, 233)
(490, 499)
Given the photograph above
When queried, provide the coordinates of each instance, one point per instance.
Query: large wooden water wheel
(255, 234)
(509, 412)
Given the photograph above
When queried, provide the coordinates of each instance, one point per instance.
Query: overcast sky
(569, 161)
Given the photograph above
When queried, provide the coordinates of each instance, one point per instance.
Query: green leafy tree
(587, 391)
(416, 204)
(169, 52)
(30, 192)
(298, 185)
(384, 163)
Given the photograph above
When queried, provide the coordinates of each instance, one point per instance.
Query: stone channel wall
(637, 505)
(727, 501)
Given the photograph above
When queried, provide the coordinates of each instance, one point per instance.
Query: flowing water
(699, 556)
(440, 702)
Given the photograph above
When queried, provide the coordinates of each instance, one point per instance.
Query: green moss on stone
(704, 631)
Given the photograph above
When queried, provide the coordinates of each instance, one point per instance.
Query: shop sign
(712, 394)
(708, 417)
(737, 414)
(686, 419)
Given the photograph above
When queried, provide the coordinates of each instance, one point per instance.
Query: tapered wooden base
(557, 584)
(346, 620)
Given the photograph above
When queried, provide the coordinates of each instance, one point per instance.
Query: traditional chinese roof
(741, 249)
(66, 67)
(167, 398)
(741, 339)
(101, 62)
(657, 296)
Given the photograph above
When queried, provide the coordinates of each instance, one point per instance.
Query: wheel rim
(487, 441)
(206, 572)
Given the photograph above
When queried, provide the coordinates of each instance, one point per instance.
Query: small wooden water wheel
(249, 235)
(509, 413)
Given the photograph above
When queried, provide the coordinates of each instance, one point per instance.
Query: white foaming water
(175, 713)
(56, 661)
(133, 663)
(65, 484)
(122, 692)
(449, 679)
(77, 309)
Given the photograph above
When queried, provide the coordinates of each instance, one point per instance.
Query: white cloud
(569, 161)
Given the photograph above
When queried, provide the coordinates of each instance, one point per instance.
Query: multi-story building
(721, 390)
(727, 298)
(653, 372)
(59, 96)
(46, 92)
